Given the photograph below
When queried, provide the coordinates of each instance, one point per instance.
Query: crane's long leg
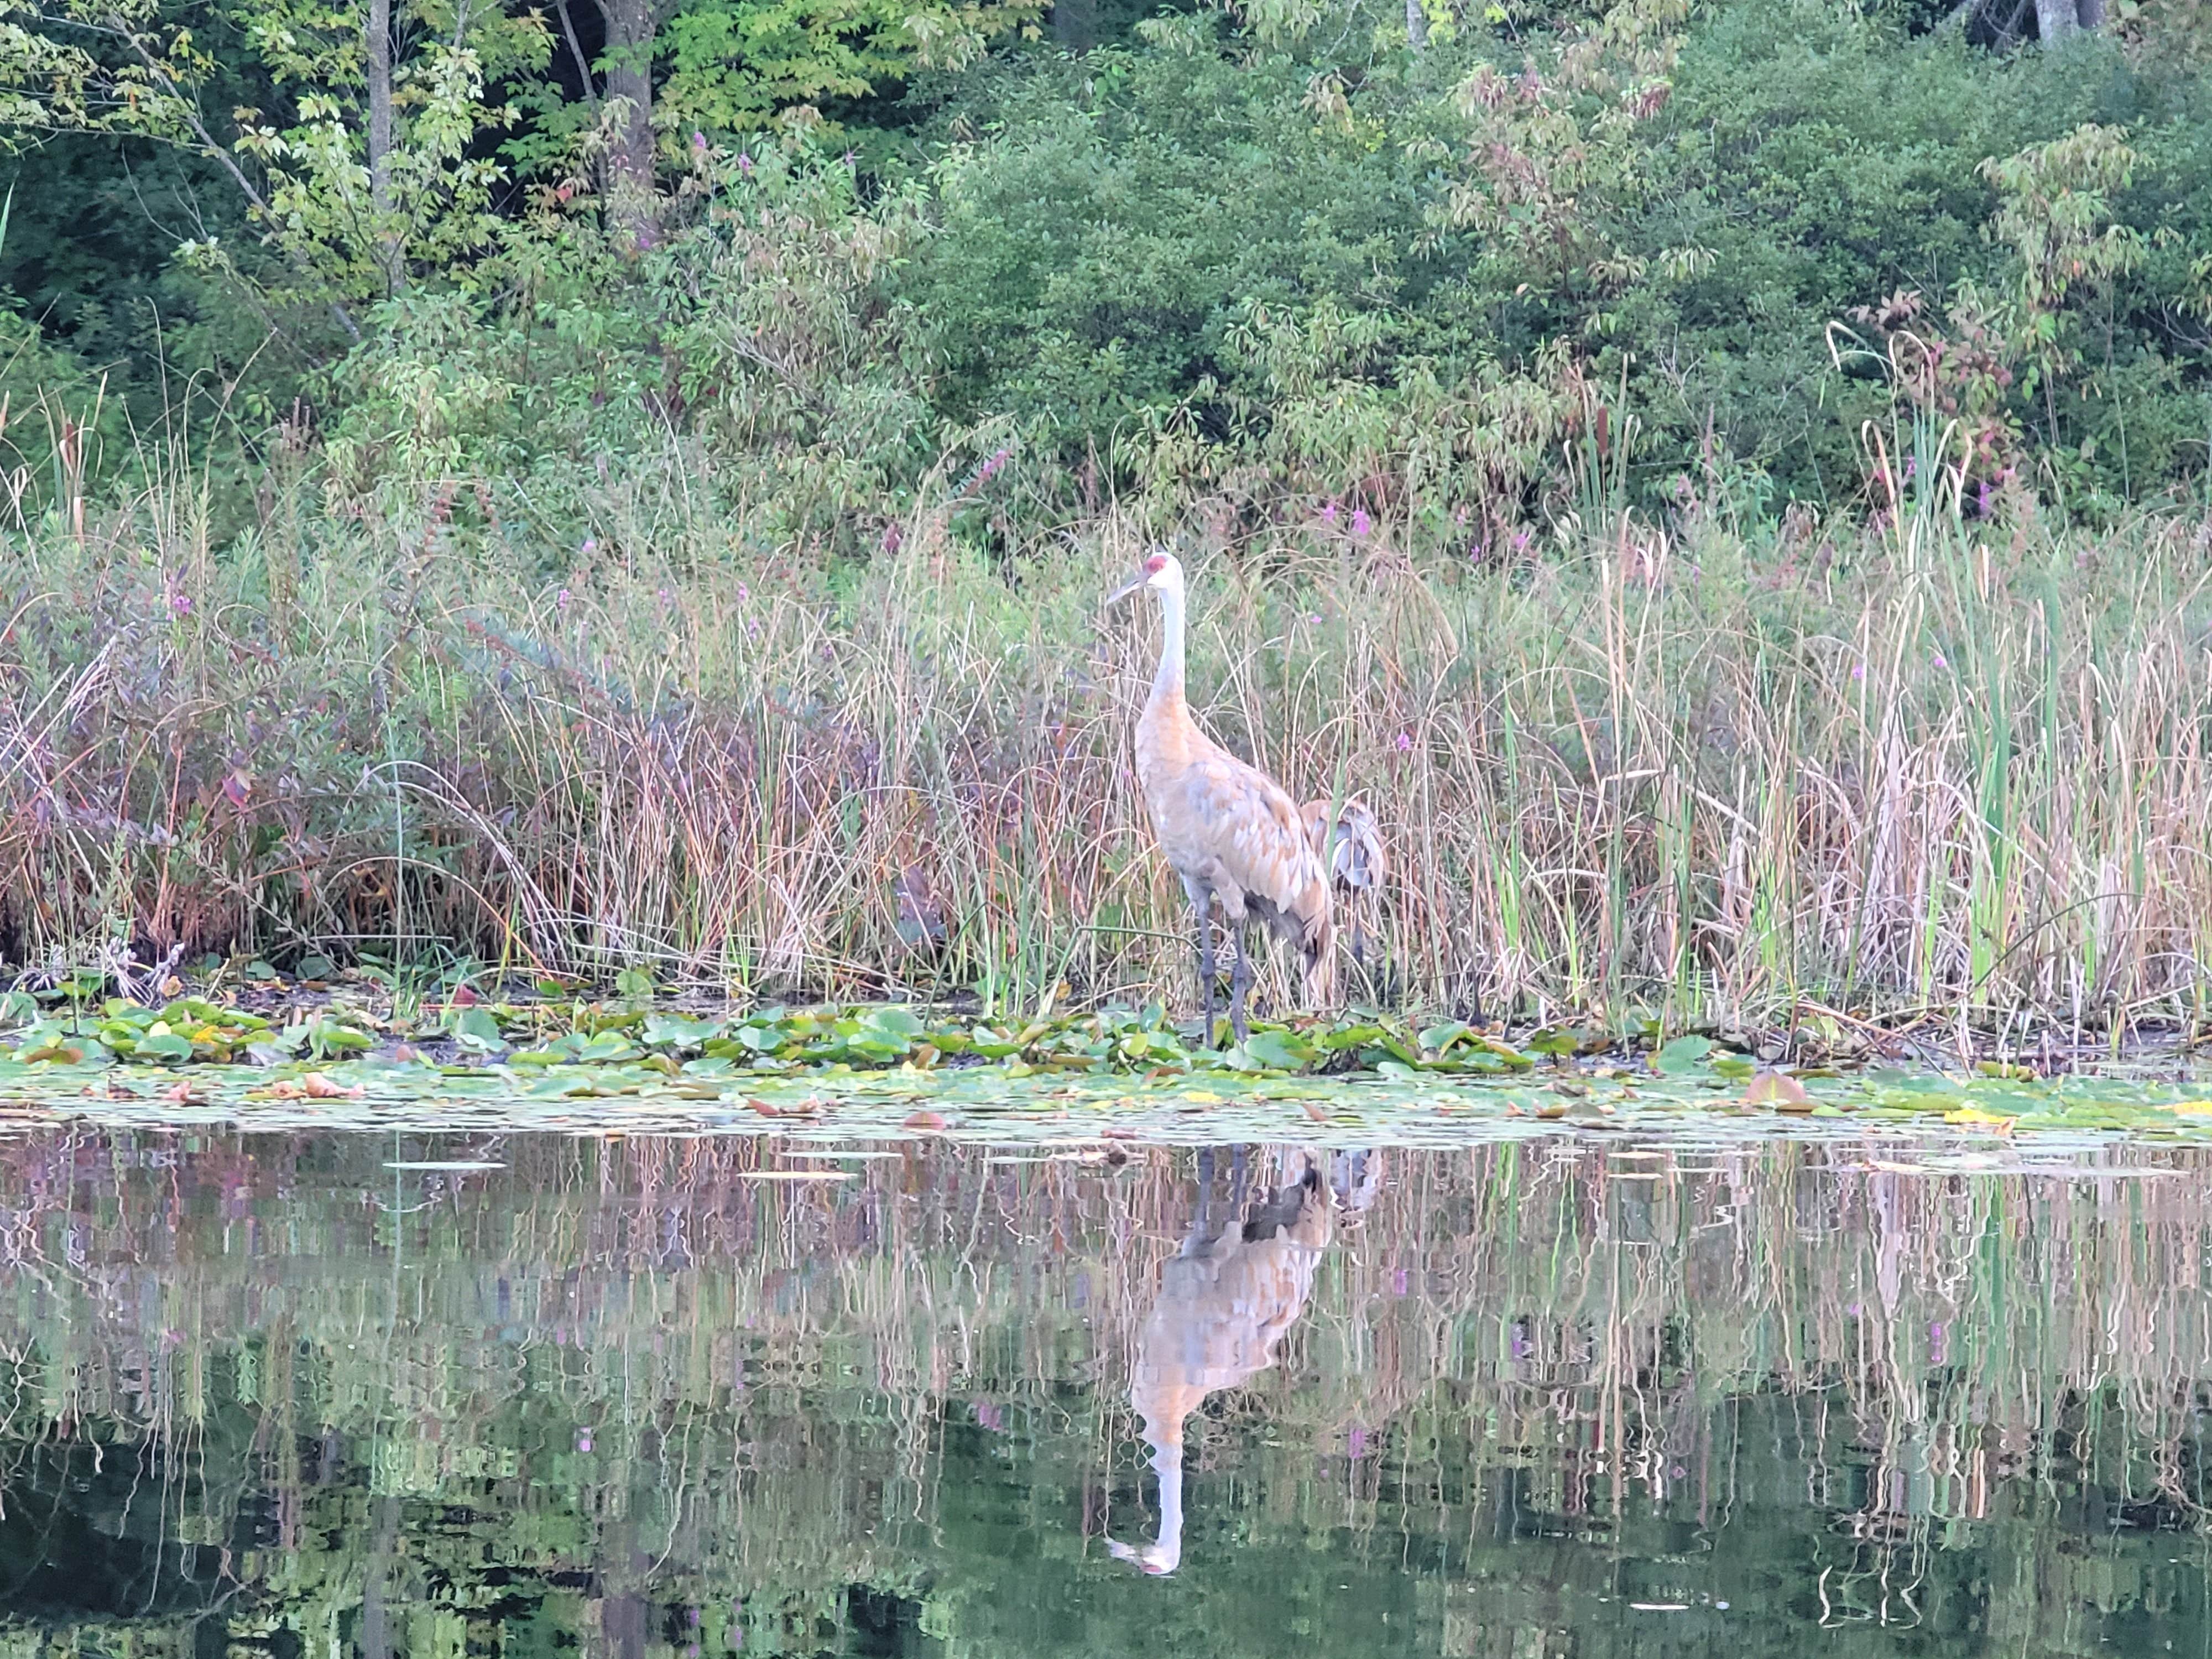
(1240, 982)
(1205, 974)
(1206, 1194)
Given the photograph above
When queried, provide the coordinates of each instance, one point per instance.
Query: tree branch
(191, 117)
(575, 48)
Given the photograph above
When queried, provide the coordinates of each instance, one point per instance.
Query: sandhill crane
(1350, 843)
(1225, 1300)
(1229, 831)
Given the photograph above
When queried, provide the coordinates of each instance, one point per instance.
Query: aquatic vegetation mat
(1102, 1075)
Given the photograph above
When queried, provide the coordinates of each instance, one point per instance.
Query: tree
(735, 65)
(362, 159)
(2058, 20)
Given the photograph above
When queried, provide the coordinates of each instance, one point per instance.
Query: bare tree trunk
(2055, 21)
(2091, 15)
(629, 182)
(1417, 27)
(389, 256)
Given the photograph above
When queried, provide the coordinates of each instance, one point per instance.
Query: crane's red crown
(1157, 563)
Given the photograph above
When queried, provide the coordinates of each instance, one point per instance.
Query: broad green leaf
(1684, 1054)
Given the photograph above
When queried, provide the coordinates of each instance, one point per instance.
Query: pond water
(381, 1394)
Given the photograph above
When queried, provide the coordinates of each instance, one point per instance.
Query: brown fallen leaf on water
(809, 1108)
(183, 1095)
(1315, 1113)
(1778, 1090)
(109, 1089)
(924, 1120)
(1118, 1131)
(313, 1086)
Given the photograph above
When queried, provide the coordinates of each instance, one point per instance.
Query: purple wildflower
(1361, 524)
(1329, 513)
(560, 602)
(1940, 661)
(180, 603)
(1858, 670)
(745, 164)
(590, 546)
(698, 142)
(1405, 742)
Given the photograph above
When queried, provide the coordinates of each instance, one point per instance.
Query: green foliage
(735, 65)
(1092, 251)
(1288, 257)
(755, 342)
(295, 149)
(1554, 166)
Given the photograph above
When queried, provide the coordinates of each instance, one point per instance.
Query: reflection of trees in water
(641, 1383)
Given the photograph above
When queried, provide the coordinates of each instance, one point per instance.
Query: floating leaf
(476, 1028)
(1438, 1039)
(1778, 1090)
(1683, 1054)
(1279, 1051)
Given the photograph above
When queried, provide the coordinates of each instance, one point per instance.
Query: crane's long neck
(1167, 682)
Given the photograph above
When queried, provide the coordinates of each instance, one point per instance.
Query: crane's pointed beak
(1121, 593)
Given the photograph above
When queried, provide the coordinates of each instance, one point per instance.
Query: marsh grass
(1936, 773)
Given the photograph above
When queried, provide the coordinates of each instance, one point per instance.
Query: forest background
(627, 484)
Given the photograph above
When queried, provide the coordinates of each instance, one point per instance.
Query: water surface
(376, 1395)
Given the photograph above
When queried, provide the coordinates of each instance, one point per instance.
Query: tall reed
(1937, 772)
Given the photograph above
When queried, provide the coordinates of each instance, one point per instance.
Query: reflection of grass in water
(561, 1344)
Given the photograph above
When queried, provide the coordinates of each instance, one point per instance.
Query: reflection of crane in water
(1226, 1298)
